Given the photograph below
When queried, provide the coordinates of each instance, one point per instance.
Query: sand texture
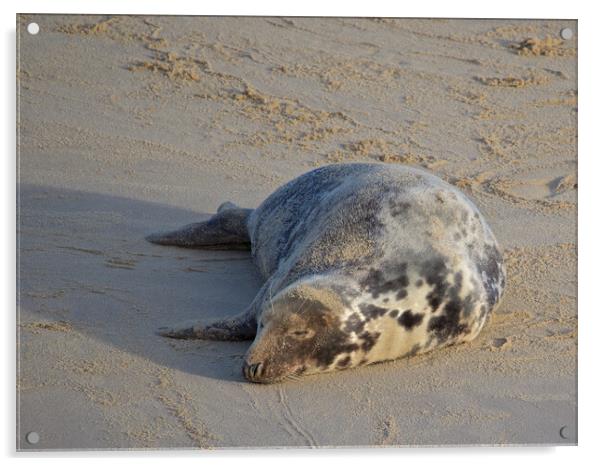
(132, 125)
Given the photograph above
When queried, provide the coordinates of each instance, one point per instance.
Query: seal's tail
(225, 230)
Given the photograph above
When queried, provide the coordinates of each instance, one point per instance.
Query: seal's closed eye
(301, 333)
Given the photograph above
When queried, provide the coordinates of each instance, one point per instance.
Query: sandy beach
(129, 125)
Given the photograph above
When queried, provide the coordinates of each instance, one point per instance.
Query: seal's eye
(300, 334)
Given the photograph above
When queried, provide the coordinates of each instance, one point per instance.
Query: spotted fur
(363, 263)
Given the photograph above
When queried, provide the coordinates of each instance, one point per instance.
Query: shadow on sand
(83, 259)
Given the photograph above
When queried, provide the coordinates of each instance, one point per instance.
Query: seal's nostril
(251, 371)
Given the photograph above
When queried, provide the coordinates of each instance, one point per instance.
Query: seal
(363, 263)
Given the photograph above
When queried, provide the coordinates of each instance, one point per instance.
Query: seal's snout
(253, 372)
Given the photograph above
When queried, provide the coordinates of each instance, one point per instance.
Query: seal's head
(298, 333)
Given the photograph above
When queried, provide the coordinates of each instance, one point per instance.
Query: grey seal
(363, 263)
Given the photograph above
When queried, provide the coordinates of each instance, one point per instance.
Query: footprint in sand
(540, 188)
(537, 188)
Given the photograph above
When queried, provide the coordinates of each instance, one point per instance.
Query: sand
(131, 125)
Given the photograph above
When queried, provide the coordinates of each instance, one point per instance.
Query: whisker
(300, 310)
(270, 295)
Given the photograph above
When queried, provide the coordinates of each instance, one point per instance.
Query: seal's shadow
(84, 254)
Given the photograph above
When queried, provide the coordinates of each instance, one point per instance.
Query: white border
(590, 153)
(424, 8)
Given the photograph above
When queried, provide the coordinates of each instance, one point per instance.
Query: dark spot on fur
(372, 282)
(376, 284)
(371, 311)
(410, 320)
(419, 283)
(435, 272)
(344, 362)
(330, 349)
(457, 236)
(354, 324)
(447, 325)
(369, 340)
(394, 313)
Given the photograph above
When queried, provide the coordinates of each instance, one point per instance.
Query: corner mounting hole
(564, 432)
(33, 28)
(32, 438)
(566, 33)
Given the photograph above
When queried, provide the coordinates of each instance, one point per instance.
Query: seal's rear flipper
(227, 206)
(237, 328)
(225, 230)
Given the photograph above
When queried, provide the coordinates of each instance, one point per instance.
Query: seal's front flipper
(237, 328)
(225, 230)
